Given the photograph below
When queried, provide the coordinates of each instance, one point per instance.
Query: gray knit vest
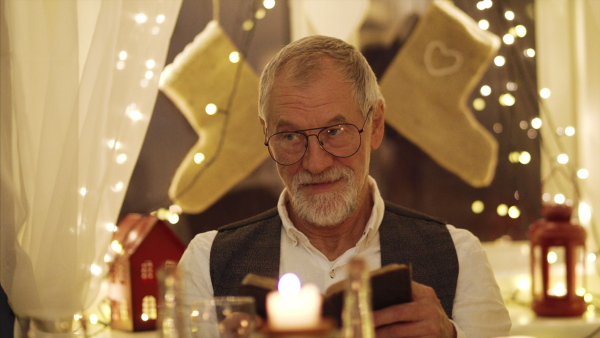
(253, 246)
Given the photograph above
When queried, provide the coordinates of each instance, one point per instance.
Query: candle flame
(289, 285)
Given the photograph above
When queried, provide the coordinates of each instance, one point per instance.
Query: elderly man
(322, 114)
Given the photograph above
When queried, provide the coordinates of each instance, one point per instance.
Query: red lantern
(557, 263)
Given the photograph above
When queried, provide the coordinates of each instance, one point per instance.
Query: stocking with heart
(230, 144)
(426, 87)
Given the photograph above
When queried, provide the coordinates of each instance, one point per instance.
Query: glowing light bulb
(502, 209)
(150, 64)
(234, 57)
(93, 319)
(477, 207)
(160, 18)
(82, 191)
(121, 158)
(569, 131)
(508, 39)
(584, 212)
(525, 157)
(514, 156)
(499, 60)
(514, 212)
(173, 218)
(485, 90)
(562, 158)
(248, 25)
(583, 174)
(529, 52)
(112, 227)
(509, 15)
(134, 114)
(141, 18)
(591, 257)
(484, 24)
(536, 123)
(211, 109)
(145, 317)
(122, 55)
(95, 269)
(198, 158)
(112, 144)
(559, 198)
(117, 187)
(479, 104)
(260, 14)
(523, 284)
(545, 93)
(149, 74)
(521, 31)
(507, 100)
(269, 4)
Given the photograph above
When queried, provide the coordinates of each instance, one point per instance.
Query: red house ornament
(140, 247)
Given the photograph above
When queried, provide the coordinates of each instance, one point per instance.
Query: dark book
(390, 285)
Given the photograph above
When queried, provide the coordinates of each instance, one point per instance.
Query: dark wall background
(406, 175)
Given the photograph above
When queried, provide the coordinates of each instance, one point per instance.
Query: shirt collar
(372, 224)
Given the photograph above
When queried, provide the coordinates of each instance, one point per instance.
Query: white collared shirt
(478, 310)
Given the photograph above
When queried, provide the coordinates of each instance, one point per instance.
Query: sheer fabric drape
(79, 82)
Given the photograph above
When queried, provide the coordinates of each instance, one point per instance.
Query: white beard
(325, 209)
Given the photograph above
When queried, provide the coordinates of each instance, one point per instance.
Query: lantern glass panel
(580, 269)
(557, 277)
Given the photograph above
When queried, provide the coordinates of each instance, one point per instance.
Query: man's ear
(378, 125)
(264, 127)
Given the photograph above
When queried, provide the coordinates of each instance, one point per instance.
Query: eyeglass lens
(340, 140)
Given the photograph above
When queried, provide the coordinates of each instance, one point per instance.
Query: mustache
(331, 175)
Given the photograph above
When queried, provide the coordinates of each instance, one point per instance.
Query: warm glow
(134, 114)
(485, 90)
(248, 25)
(260, 14)
(477, 207)
(112, 227)
(509, 15)
(123, 55)
(269, 4)
(507, 100)
(234, 57)
(559, 198)
(160, 18)
(289, 285)
(525, 157)
(173, 218)
(536, 123)
(95, 269)
(552, 257)
(479, 104)
(563, 158)
(514, 212)
(499, 60)
(514, 156)
(83, 191)
(585, 213)
(545, 93)
(141, 18)
(121, 158)
(116, 247)
(211, 109)
(569, 131)
(583, 174)
(502, 210)
(529, 52)
(521, 31)
(114, 144)
(508, 39)
(145, 317)
(523, 284)
(117, 187)
(484, 24)
(150, 64)
(198, 158)
(558, 290)
(93, 319)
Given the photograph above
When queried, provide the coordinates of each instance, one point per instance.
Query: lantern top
(557, 212)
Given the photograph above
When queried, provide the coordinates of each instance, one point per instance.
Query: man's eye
(334, 131)
(291, 137)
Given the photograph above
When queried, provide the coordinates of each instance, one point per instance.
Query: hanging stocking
(426, 87)
(230, 144)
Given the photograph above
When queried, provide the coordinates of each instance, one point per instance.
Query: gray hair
(302, 59)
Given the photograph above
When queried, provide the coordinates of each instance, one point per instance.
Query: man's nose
(316, 159)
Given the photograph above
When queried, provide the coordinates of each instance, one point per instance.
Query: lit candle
(293, 307)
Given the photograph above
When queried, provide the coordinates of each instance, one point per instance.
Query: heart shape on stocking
(440, 60)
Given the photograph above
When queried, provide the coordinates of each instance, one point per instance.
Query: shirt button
(332, 273)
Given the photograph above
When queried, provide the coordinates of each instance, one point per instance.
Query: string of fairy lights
(554, 153)
(560, 163)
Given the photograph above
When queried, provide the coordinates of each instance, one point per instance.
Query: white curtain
(79, 83)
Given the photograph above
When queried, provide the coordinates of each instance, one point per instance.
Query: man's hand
(423, 317)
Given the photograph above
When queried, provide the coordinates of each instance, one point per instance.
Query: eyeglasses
(339, 140)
